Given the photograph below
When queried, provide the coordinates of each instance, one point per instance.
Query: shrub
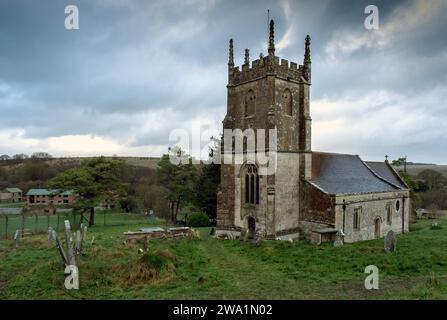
(197, 219)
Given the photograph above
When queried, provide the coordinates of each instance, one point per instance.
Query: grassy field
(209, 268)
(12, 205)
(40, 224)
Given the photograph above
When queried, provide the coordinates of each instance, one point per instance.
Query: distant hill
(414, 169)
(147, 162)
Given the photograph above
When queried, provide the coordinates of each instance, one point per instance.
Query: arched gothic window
(251, 185)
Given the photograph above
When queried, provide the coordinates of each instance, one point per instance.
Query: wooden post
(83, 233)
(57, 227)
(48, 221)
(60, 248)
(145, 244)
(18, 237)
(6, 227)
(78, 242)
(69, 242)
(23, 221)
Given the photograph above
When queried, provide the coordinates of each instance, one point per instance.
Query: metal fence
(9, 223)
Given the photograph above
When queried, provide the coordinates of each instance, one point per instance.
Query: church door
(251, 227)
(377, 228)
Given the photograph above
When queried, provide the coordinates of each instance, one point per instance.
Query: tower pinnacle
(247, 56)
(272, 39)
(307, 61)
(231, 55)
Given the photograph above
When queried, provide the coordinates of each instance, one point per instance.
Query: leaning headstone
(60, 248)
(69, 243)
(390, 241)
(18, 237)
(338, 242)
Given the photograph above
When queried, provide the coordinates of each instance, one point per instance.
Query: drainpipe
(403, 215)
(344, 214)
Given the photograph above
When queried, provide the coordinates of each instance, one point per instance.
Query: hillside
(417, 168)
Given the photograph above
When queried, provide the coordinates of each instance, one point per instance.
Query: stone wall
(372, 207)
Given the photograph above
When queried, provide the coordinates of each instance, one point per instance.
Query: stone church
(311, 195)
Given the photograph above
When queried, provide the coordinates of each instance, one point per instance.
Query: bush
(197, 219)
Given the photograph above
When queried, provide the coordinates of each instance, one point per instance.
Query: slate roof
(385, 171)
(13, 190)
(46, 192)
(343, 174)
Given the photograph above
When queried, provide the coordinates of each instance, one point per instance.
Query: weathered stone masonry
(309, 191)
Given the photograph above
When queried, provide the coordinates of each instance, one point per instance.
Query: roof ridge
(397, 175)
(336, 153)
(379, 176)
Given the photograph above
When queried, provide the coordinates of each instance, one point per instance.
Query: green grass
(208, 268)
(12, 205)
(40, 223)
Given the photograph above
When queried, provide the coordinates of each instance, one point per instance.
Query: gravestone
(338, 239)
(51, 234)
(243, 235)
(390, 241)
(18, 237)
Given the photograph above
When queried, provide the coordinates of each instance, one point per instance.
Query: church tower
(267, 93)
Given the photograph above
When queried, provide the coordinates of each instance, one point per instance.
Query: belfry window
(287, 102)
(251, 185)
(249, 103)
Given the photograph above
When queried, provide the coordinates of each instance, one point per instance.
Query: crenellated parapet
(265, 66)
(269, 65)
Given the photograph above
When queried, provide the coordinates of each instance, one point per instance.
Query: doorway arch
(251, 227)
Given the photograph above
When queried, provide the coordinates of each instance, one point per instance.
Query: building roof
(47, 192)
(13, 190)
(345, 174)
(384, 170)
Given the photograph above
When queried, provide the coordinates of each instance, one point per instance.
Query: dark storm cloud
(137, 69)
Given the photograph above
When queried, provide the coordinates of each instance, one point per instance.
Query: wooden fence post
(48, 221)
(18, 237)
(6, 227)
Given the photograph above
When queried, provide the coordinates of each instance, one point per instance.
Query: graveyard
(204, 267)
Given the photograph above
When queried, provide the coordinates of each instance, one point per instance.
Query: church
(311, 195)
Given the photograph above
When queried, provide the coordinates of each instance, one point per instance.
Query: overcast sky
(135, 70)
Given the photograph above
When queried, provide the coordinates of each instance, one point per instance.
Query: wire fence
(9, 223)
